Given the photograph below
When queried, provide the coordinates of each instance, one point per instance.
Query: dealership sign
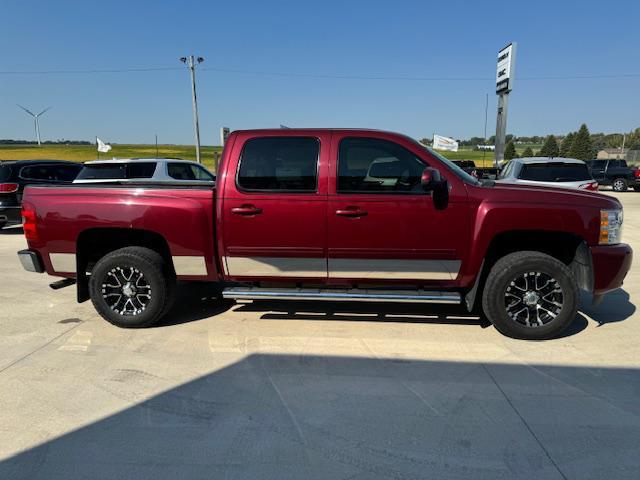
(506, 67)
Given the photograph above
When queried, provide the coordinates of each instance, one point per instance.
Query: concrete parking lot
(312, 391)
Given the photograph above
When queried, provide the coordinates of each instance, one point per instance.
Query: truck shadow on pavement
(379, 312)
(198, 301)
(615, 307)
(277, 416)
(195, 301)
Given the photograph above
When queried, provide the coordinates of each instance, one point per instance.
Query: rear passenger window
(117, 171)
(140, 170)
(187, 171)
(371, 165)
(288, 164)
(40, 172)
(67, 173)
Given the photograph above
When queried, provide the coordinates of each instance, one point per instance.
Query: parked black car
(613, 172)
(14, 176)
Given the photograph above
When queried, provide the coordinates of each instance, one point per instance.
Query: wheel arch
(94, 243)
(569, 248)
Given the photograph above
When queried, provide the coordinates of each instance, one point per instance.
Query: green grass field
(83, 153)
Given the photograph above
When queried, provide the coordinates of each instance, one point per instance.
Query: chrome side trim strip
(408, 269)
(187, 265)
(276, 267)
(403, 296)
(63, 262)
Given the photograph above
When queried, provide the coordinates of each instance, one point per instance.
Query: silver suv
(152, 170)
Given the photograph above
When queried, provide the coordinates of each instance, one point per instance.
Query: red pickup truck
(320, 214)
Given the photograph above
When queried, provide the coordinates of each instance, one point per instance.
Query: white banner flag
(102, 147)
(444, 143)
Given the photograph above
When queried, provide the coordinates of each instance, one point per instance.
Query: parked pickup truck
(352, 215)
(615, 173)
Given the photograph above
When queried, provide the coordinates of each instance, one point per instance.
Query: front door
(383, 227)
(598, 170)
(274, 208)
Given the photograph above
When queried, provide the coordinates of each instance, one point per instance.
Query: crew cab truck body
(353, 215)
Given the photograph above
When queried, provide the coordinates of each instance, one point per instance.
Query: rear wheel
(2, 224)
(636, 188)
(530, 295)
(619, 185)
(132, 287)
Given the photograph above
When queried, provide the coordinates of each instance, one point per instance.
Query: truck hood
(508, 192)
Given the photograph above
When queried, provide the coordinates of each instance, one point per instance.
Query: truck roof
(130, 160)
(311, 130)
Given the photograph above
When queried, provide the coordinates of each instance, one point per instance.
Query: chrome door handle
(246, 210)
(351, 212)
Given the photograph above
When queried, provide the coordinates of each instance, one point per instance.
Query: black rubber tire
(2, 224)
(501, 275)
(157, 274)
(619, 185)
(636, 188)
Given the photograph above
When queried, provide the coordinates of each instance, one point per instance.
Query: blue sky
(453, 39)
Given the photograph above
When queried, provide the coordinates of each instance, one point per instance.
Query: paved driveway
(312, 391)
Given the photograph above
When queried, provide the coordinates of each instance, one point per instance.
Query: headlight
(610, 226)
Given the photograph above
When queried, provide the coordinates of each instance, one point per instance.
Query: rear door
(274, 200)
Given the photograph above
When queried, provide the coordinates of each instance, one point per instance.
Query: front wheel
(530, 295)
(132, 287)
(619, 185)
(636, 188)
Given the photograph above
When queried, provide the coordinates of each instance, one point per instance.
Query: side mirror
(430, 179)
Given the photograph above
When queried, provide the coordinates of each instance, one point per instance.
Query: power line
(322, 76)
(63, 72)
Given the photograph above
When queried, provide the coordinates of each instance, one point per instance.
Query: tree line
(581, 145)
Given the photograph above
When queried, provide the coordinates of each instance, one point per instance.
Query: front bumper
(10, 215)
(610, 265)
(31, 261)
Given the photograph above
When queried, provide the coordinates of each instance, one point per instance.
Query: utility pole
(191, 62)
(501, 127)
(504, 84)
(486, 109)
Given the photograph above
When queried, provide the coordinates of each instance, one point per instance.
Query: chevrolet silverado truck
(337, 215)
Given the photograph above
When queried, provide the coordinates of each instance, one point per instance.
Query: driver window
(370, 165)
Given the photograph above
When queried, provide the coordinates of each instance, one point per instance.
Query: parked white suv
(550, 172)
(153, 170)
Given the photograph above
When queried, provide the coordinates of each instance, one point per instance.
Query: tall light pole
(191, 62)
(36, 122)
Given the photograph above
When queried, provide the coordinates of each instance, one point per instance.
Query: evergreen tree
(550, 147)
(510, 151)
(582, 149)
(527, 152)
(567, 141)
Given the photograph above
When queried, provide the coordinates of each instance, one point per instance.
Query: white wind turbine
(35, 116)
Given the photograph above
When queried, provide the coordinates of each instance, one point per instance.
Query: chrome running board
(349, 295)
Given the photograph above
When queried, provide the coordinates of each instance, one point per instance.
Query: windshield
(452, 166)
